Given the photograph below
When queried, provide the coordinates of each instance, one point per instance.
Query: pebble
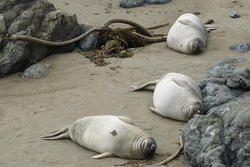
(196, 12)
(37, 70)
(234, 14)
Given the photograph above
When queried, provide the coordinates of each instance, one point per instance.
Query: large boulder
(37, 18)
(224, 82)
(222, 136)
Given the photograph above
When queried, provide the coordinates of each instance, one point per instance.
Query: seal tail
(59, 134)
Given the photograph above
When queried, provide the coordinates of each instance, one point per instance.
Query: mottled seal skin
(188, 35)
(176, 96)
(110, 136)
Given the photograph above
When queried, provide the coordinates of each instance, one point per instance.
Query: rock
(234, 14)
(148, 128)
(240, 48)
(157, 1)
(38, 19)
(2, 24)
(224, 83)
(136, 3)
(38, 70)
(154, 165)
(197, 12)
(90, 41)
(131, 3)
(220, 138)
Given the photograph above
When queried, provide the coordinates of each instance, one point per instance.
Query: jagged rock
(224, 83)
(90, 41)
(240, 48)
(135, 3)
(37, 18)
(37, 70)
(221, 138)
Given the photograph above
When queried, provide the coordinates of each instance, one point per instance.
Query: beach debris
(234, 14)
(221, 137)
(37, 70)
(136, 3)
(111, 42)
(241, 47)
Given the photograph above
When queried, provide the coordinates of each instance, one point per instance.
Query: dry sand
(75, 87)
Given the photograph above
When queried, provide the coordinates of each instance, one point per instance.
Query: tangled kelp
(112, 42)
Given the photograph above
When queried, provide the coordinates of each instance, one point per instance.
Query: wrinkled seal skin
(188, 35)
(110, 136)
(176, 96)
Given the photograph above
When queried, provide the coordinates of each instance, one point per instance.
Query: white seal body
(177, 96)
(187, 35)
(110, 136)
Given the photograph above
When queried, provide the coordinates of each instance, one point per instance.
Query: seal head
(148, 147)
(196, 108)
(196, 46)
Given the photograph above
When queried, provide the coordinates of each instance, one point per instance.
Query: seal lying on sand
(176, 96)
(188, 34)
(110, 136)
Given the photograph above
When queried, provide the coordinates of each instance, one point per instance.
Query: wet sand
(75, 87)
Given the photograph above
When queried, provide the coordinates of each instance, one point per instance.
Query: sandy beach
(75, 87)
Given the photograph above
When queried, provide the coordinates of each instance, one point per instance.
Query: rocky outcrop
(37, 18)
(136, 3)
(222, 136)
(224, 82)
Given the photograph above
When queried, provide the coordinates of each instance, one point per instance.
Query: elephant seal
(176, 96)
(110, 136)
(188, 34)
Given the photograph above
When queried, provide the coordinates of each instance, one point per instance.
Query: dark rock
(157, 1)
(38, 70)
(240, 48)
(90, 41)
(234, 14)
(34, 18)
(224, 83)
(197, 12)
(135, 3)
(220, 138)
(131, 3)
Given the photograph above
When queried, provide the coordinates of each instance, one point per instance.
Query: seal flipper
(210, 27)
(103, 155)
(146, 86)
(126, 120)
(184, 85)
(154, 110)
(185, 22)
(60, 134)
